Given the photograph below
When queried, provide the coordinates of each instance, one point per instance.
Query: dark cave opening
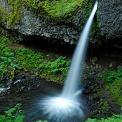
(58, 46)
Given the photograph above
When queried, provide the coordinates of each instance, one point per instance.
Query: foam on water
(60, 108)
(67, 106)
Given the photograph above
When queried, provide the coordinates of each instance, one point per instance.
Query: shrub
(58, 66)
(14, 114)
(115, 118)
(8, 63)
(112, 75)
(53, 68)
(113, 83)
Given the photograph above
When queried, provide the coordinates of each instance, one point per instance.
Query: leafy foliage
(27, 58)
(14, 114)
(58, 66)
(30, 60)
(8, 63)
(113, 80)
(115, 118)
(53, 68)
(111, 75)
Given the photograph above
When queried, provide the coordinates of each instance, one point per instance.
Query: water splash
(61, 109)
(67, 107)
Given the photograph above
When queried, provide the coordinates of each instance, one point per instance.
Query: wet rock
(4, 90)
(110, 18)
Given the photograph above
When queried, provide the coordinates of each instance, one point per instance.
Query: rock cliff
(110, 18)
(61, 20)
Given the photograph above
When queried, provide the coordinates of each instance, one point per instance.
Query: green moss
(60, 8)
(55, 8)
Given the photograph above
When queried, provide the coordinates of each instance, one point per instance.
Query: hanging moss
(55, 9)
(61, 8)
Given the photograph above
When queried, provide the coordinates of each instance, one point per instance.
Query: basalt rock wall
(32, 22)
(110, 18)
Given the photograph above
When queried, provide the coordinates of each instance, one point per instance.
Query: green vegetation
(115, 118)
(61, 8)
(8, 63)
(56, 9)
(54, 68)
(111, 75)
(11, 14)
(14, 114)
(113, 83)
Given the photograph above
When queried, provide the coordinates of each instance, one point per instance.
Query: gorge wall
(34, 18)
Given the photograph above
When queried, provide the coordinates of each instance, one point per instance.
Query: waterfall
(67, 107)
(77, 65)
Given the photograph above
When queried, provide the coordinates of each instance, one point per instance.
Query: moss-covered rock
(53, 19)
(61, 19)
(56, 9)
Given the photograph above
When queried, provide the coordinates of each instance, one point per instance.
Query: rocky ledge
(66, 26)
